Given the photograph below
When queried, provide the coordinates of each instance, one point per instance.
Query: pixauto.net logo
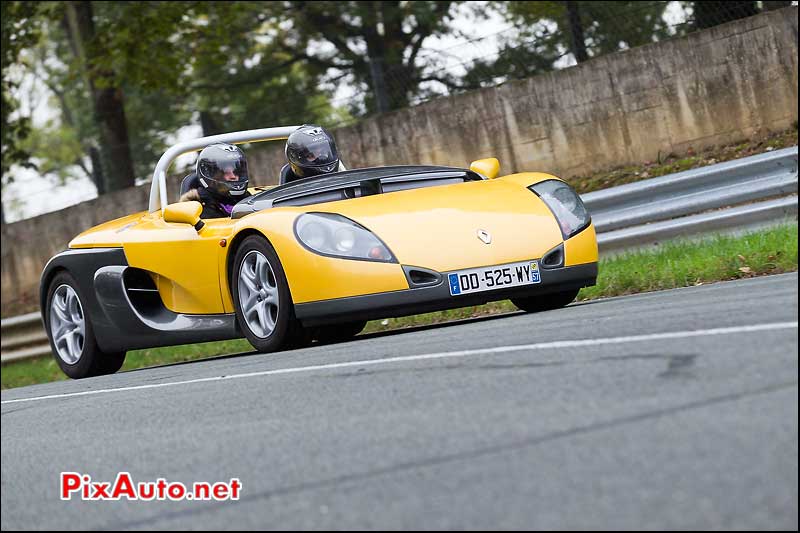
(74, 484)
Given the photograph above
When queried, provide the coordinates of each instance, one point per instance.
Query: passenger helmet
(311, 151)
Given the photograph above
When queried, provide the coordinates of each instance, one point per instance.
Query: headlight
(565, 204)
(337, 236)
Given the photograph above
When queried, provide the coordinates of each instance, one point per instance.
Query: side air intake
(421, 277)
(554, 258)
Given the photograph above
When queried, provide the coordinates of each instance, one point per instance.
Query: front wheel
(71, 334)
(261, 296)
(545, 302)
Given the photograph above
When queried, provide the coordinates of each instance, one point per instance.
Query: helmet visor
(234, 170)
(316, 153)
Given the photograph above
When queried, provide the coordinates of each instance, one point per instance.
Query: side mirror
(488, 167)
(185, 213)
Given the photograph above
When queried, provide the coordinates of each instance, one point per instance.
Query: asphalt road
(666, 410)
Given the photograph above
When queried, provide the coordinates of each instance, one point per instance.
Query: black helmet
(222, 170)
(311, 151)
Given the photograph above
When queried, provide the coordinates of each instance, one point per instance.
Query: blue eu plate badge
(455, 288)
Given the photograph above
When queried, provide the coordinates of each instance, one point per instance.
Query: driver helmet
(311, 151)
(222, 170)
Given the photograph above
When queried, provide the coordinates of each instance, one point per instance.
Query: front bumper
(436, 298)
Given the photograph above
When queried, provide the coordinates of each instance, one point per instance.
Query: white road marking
(440, 355)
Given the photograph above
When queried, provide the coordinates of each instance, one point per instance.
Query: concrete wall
(712, 87)
(715, 86)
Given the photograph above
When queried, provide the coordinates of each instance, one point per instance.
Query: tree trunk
(379, 84)
(118, 164)
(576, 32)
(209, 125)
(389, 76)
(97, 172)
(108, 102)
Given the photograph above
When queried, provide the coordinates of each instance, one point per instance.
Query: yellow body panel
(186, 262)
(183, 263)
(437, 227)
(108, 234)
(582, 248)
(314, 277)
(526, 179)
(183, 212)
(489, 167)
(433, 228)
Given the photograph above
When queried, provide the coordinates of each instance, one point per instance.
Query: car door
(184, 263)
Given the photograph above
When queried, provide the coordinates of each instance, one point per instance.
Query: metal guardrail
(710, 199)
(23, 337)
(750, 216)
(696, 201)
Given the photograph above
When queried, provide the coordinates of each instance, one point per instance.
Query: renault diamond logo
(484, 236)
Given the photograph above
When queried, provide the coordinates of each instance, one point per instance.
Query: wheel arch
(233, 248)
(81, 264)
(44, 285)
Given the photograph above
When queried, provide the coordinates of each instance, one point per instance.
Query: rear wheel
(339, 332)
(71, 334)
(261, 296)
(545, 302)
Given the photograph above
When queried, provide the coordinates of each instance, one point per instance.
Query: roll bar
(158, 188)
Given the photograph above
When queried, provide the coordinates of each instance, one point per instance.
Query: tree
(61, 145)
(108, 99)
(576, 39)
(214, 63)
(549, 31)
(376, 43)
(19, 30)
(249, 81)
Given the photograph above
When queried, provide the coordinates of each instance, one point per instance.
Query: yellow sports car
(313, 259)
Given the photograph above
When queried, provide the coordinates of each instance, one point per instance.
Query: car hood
(437, 227)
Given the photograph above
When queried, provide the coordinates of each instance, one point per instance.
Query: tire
(297, 337)
(111, 363)
(546, 302)
(338, 332)
(261, 298)
(71, 334)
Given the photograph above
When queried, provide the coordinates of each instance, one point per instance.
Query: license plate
(494, 277)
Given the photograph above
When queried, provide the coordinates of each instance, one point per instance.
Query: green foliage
(59, 145)
(545, 35)
(171, 61)
(19, 30)
(57, 148)
(213, 59)
(375, 44)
